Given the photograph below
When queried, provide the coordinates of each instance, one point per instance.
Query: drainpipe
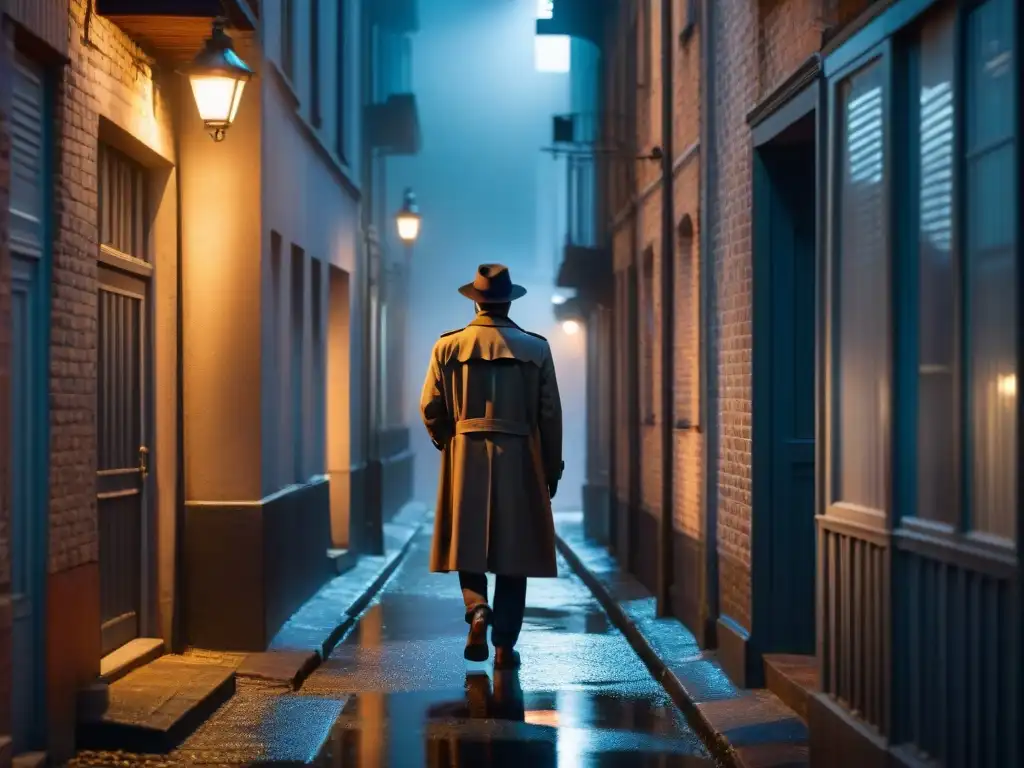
(707, 357)
(178, 628)
(665, 527)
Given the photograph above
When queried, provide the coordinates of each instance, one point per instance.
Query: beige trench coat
(490, 403)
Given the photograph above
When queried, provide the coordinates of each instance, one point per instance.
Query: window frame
(288, 40)
(648, 331)
(315, 112)
(341, 70)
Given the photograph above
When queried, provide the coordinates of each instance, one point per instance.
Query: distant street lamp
(571, 327)
(408, 219)
(218, 77)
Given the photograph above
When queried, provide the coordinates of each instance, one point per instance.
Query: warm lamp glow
(1007, 385)
(408, 227)
(218, 77)
(571, 327)
(217, 97)
(408, 219)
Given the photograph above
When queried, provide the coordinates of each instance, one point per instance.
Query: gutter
(707, 357)
(667, 431)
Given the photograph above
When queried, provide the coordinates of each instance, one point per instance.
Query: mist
(487, 193)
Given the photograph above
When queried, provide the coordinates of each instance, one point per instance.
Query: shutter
(28, 155)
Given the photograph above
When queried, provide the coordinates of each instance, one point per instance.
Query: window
(931, 111)
(552, 53)
(122, 203)
(314, 62)
(340, 48)
(298, 382)
(989, 268)
(647, 330)
(288, 39)
(860, 434)
(687, 319)
(645, 44)
(966, 301)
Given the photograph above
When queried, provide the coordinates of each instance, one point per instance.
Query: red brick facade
(755, 46)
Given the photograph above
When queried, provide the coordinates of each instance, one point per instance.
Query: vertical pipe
(707, 362)
(178, 628)
(667, 316)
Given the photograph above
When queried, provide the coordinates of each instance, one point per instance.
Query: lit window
(551, 53)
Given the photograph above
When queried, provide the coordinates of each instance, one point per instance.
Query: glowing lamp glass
(558, 299)
(408, 227)
(571, 327)
(217, 97)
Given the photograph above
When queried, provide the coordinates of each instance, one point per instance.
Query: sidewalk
(745, 728)
(156, 713)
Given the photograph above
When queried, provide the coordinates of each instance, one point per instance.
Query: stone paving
(397, 692)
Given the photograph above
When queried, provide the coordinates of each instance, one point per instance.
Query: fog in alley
(487, 193)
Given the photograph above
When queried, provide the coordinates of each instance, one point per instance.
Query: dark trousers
(509, 604)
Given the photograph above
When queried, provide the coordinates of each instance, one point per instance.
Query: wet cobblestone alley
(397, 692)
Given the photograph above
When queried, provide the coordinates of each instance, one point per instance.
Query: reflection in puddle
(492, 722)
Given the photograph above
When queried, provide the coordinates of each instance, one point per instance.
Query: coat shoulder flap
(449, 333)
(535, 335)
(498, 343)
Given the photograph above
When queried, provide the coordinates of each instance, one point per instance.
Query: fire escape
(589, 142)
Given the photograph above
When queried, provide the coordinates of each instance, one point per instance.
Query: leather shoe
(476, 643)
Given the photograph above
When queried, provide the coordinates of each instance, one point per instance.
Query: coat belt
(504, 426)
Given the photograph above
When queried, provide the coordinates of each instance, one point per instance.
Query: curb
(717, 744)
(309, 642)
(356, 608)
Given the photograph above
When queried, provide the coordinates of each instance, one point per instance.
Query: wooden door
(122, 455)
(790, 209)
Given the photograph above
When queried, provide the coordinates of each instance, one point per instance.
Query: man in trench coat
(490, 403)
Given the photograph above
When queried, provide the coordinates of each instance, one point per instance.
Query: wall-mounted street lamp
(571, 327)
(218, 77)
(408, 219)
(570, 314)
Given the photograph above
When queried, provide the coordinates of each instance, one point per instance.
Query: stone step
(155, 707)
(793, 678)
(343, 560)
(129, 657)
(29, 760)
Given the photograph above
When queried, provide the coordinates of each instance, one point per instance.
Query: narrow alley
(397, 692)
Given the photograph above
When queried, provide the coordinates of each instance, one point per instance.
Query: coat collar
(493, 321)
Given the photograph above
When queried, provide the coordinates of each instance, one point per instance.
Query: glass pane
(936, 447)
(991, 271)
(862, 293)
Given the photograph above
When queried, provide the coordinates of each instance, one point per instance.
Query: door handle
(143, 461)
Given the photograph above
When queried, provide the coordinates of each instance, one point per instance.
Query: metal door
(29, 414)
(122, 457)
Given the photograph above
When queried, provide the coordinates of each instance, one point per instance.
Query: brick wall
(109, 75)
(757, 45)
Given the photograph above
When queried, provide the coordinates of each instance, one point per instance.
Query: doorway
(784, 391)
(29, 406)
(122, 466)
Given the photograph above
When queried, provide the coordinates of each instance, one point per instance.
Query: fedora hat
(492, 285)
